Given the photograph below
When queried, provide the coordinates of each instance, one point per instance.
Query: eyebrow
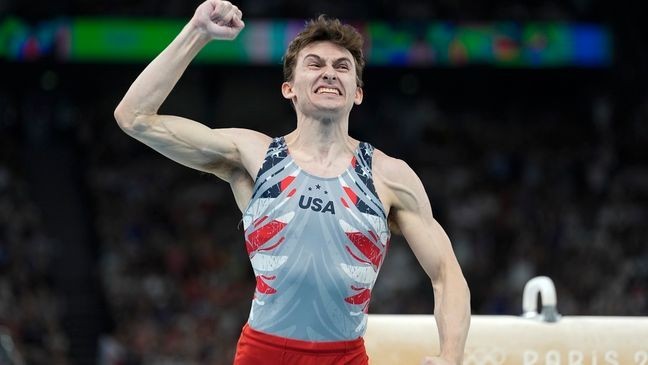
(335, 61)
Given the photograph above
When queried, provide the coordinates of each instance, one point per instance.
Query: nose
(329, 74)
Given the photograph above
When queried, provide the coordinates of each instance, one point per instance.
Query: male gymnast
(315, 202)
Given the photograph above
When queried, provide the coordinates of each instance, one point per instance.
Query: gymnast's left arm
(412, 212)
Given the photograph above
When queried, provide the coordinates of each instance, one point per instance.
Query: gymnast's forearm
(452, 314)
(153, 85)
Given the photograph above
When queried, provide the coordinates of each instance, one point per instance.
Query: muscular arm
(218, 151)
(411, 210)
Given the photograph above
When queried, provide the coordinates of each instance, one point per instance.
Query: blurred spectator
(30, 305)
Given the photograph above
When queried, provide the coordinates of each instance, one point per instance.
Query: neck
(321, 139)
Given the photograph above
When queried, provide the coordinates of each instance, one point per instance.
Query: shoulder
(251, 147)
(248, 142)
(242, 136)
(390, 169)
(400, 184)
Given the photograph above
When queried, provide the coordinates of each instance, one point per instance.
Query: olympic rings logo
(484, 356)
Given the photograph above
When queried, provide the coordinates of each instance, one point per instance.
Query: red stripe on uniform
(285, 182)
(352, 195)
(344, 202)
(263, 287)
(258, 221)
(262, 235)
(373, 235)
(368, 249)
(273, 246)
(356, 257)
(359, 298)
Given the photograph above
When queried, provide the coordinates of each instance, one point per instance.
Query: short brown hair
(325, 29)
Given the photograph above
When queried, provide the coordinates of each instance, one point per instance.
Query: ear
(287, 90)
(358, 96)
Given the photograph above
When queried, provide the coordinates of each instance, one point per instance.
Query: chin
(333, 106)
(326, 110)
(330, 111)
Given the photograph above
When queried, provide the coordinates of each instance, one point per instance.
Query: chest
(340, 167)
(325, 169)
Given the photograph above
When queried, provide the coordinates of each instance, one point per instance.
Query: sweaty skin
(323, 91)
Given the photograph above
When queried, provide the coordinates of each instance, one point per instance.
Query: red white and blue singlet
(316, 246)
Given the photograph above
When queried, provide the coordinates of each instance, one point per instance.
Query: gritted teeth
(329, 90)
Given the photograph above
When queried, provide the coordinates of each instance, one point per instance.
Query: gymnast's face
(324, 81)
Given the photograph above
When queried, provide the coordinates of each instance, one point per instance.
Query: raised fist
(219, 19)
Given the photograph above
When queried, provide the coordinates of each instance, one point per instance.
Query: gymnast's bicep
(217, 151)
(412, 212)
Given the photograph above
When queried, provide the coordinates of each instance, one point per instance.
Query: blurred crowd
(30, 303)
(541, 193)
(176, 281)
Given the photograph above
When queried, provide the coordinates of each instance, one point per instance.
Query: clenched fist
(219, 19)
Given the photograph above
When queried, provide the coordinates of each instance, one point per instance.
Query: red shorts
(258, 348)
